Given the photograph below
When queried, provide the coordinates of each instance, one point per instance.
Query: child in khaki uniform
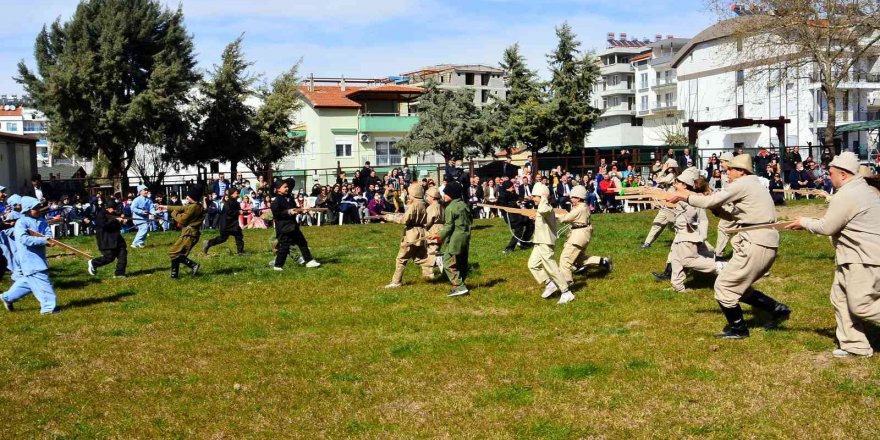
(541, 263)
(412, 246)
(433, 224)
(573, 259)
(689, 250)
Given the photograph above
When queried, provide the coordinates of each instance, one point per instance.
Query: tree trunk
(118, 175)
(534, 165)
(831, 98)
(233, 170)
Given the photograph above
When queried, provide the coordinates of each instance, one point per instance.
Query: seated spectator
(262, 220)
(717, 181)
(375, 207)
(246, 215)
(303, 218)
(777, 183)
(798, 179)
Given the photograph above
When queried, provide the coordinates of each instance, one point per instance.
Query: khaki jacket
(689, 224)
(853, 222)
(434, 222)
(578, 215)
(752, 205)
(414, 218)
(545, 224)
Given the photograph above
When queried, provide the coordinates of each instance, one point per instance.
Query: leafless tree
(831, 41)
(151, 165)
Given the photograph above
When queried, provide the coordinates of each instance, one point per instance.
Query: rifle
(55, 242)
(520, 211)
(777, 226)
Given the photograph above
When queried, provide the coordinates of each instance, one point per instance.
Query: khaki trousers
(664, 218)
(572, 257)
(855, 296)
(749, 263)
(688, 255)
(723, 238)
(430, 259)
(408, 251)
(543, 267)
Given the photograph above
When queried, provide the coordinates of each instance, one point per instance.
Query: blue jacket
(141, 208)
(31, 251)
(8, 245)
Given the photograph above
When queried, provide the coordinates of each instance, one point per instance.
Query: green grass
(244, 352)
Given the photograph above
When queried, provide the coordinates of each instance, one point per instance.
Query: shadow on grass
(116, 297)
(479, 227)
(490, 283)
(75, 284)
(149, 271)
(872, 332)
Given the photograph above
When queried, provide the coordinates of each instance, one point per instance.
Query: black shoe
(241, 254)
(666, 275)
(736, 326)
(606, 264)
(780, 314)
(8, 305)
(175, 268)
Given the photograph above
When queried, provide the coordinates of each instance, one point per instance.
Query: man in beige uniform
(853, 223)
(412, 246)
(433, 224)
(725, 219)
(664, 217)
(573, 255)
(541, 262)
(753, 251)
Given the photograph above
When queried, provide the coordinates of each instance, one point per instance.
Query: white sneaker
(841, 353)
(549, 290)
(278, 269)
(313, 263)
(566, 297)
(393, 285)
(92, 271)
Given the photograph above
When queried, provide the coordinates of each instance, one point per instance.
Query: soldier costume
(753, 251)
(689, 250)
(108, 233)
(412, 245)
(287, 230)
(30, 252)
(229, 226)
(664, 217)
(853, 223)
(456, 237)
(542, 265)
(189, 218)
(573, 257)
(433, 225)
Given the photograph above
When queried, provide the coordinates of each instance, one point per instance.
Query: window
(740, 111)
(670, 100)
(485, 96)
(12, 127)
(484, 80)
(387, 153)
(644, 81)
(343, 146)
(644, 104)
(469, 79)
(740, 77)
(613, 80)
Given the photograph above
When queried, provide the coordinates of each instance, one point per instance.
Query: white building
(717, 80)
(615, 95)
(487, 82)
(657, 90)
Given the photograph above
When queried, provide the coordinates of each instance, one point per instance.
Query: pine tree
(572, 79)
(273, 121)
(116, 75)
(522, 85)
(449, 125)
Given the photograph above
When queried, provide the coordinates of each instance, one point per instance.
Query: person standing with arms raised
(853, 223)
(753, 251)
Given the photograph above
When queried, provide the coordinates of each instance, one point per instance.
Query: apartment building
(717, 81)
(487, 82)
(657, 90)
(349, 121)
(615, 94)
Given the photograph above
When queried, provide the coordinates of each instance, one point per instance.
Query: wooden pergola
(694, 128)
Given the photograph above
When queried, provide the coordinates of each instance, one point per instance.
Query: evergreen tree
(522, 85)
(449, 125)
(273, 121)
(116, 75)
(224, 131)
(572, 80)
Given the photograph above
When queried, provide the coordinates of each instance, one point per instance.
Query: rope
(564, 229)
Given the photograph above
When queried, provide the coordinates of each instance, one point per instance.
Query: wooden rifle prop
(55, 242)
(777, 226)
(805, 192)
(298, 210)
(531, 213)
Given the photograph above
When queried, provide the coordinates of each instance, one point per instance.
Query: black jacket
(507, 198)
(284, 222)
(107, 231)
(229, 216)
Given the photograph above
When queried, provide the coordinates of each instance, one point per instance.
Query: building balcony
(380, 122)
(855, 80)
(612, 69)
(620, 110)
(644, 112)
(665, 84)
(620, 89)
(844, 117)
(668, 107)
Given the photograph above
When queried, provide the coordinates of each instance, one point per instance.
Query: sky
(379, 38)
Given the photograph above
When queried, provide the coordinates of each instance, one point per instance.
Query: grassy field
(241, 351)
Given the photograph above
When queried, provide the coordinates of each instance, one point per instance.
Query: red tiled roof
(17, 112)
(640, 57)
(334, 97)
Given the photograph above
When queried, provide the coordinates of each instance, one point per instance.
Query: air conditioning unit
(365, 138)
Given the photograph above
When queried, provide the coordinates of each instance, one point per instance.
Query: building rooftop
(19, 111)
(339, 96)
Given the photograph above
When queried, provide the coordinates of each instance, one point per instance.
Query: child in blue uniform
(7, 242)
(31, 256)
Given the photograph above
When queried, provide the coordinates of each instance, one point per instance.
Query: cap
(846, 161)
(579, 192)
(670, 163)
(14, 199)
(726, 156)
(540, 190)
(141, 188)
(742, 162)
(416, 191)
(28, 203)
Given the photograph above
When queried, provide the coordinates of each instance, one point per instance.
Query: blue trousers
(39, 284)
(142, 230)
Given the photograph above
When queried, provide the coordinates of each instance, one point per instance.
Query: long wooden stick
(520, 211)
(817, 192)
(778, 226)
(55, 242)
